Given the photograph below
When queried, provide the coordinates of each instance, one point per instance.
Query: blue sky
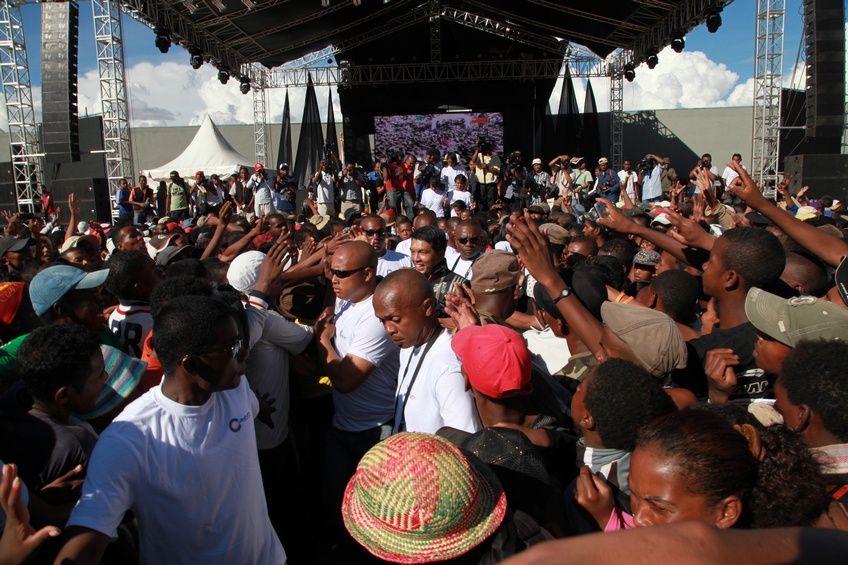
(724, 67)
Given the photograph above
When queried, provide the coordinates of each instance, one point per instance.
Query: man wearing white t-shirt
(470, 242)
(629, 180)
(182, 457)
(263, 194)
(431, 391)
(729, 176)
(375, 233)
(325, 190)
(433, 198)
(362, 363)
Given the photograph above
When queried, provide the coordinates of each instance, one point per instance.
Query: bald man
(362, 363)
(431, 392)
(375, 234)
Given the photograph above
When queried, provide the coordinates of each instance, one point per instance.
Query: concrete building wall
(683, 134)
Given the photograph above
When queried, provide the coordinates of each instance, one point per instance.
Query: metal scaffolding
(616, 114)
(24, 140)
(768, 74)
(109, 45)
(258, 82)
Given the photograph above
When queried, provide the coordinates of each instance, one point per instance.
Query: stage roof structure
(231, 33)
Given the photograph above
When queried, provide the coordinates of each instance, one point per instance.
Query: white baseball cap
(537, 161)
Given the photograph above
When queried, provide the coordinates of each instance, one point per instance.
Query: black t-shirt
(752, 382)
(43, 448)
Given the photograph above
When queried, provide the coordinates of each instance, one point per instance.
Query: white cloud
(681, 80)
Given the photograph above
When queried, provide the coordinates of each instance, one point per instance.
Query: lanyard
(400, 406)
(455, 263)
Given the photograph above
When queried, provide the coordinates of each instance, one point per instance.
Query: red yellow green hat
(416, 498)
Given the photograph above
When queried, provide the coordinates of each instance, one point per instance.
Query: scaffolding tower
(109, 44)
(258, 83)
(24, 140)
(768, 83)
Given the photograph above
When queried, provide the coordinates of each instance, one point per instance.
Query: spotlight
(195, 58)
(249, 4)
(244, 87)
(330, 61)
(678, 42)
(629, 72)
(325, 3)
(163, 40)
(223, 76)
(652, 60)
(713, 19)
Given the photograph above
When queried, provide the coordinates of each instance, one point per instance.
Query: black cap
(10, 243)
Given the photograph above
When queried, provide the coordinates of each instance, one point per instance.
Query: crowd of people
(457, 132)
(538, 364)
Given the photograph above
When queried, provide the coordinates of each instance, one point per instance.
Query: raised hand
(459, 305)
(689, 232)
(19, 539)
(721, 377)
(615, 220)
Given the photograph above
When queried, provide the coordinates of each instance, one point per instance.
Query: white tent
(209, 152)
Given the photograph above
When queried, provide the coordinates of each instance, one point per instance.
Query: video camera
(646, 165)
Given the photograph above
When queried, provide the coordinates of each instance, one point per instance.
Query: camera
(646, 165)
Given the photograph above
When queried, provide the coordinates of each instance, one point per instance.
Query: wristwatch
(566, 292)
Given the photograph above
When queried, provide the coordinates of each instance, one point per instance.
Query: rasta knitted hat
(416, 498)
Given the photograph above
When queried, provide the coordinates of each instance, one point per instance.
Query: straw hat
(416, 498)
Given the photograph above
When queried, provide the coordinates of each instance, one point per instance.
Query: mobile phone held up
(599, 210)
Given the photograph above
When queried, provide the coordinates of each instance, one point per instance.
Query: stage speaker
(91, 193)
(824, 37)
(59, 49)
(8, 199)
(824, 174)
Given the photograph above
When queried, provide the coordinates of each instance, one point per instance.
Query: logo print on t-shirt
(235, 423)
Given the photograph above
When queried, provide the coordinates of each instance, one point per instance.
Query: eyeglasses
(467, 240)
(345, 274)
(372, 233)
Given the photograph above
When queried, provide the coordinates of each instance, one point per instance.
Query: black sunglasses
(372, 233)
(467, 240)
(345, 274)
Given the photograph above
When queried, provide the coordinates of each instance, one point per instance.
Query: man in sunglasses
(182, 454)
(375, 233)
(470, 242)
(362, 363)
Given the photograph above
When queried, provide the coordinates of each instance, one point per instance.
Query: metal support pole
(616, 117)
(24, 140)
(768, 75)
(258, 82)
(109, 45)
(435, 31)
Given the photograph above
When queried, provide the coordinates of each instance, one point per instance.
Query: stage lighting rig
(163, 40)
(195, 58)
(652, 59)
(678, 42)
(713, 19)
(223, 76)
(629, 72)
(244, 87)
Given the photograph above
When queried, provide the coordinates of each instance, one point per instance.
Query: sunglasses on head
(345, 274)
(467, 240)
(371, 233)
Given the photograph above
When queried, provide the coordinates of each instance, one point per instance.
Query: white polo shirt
(360, 333)
(438, 397)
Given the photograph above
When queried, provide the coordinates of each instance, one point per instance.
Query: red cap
(496, 360)
(258, 167)
(198, 174)
(171, 226)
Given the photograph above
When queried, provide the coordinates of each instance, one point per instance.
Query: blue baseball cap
(51, 284)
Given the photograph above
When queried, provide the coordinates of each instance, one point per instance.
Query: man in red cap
(263, 194)
(497, 366)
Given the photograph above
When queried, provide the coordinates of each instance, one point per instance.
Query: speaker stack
(822, 167)
(59, 47)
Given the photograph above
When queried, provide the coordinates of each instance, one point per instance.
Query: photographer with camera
(398, 176)
(376, 187)
(325, 189)
(581, 178)
(705, 163)
(650, 177)
(628, 181)
(538, 183)
(560, 175)
(487, 169)
(607, 184)
(350, 182)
